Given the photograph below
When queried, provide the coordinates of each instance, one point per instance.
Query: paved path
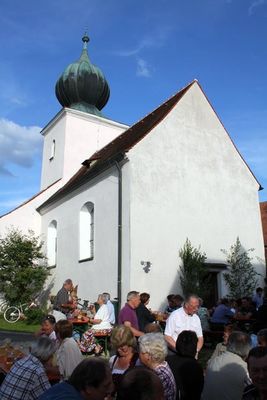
(24, 340)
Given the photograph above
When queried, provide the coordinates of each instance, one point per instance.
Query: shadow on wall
(44, 297)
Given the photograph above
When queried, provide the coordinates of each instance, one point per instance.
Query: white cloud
(142, 68)
(255, 4)
(18, 145)
(155, 40)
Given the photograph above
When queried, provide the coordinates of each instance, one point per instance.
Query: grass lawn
(19, 326)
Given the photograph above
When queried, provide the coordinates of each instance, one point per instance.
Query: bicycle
(3, 306)
(13, 313)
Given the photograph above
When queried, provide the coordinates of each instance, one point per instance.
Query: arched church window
(53, 150)
(52, 244)
(87, 232)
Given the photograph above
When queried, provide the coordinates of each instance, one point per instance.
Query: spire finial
(85, 40)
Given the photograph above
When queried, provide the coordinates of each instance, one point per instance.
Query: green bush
(194, 276)
(22, 267)
(34, 315)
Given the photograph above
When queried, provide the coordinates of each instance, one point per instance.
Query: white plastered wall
(188, 180)
(100, 274)
(77, 136)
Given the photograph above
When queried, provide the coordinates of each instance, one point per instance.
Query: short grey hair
(103, 297)
(155, 345)
(131, 295)
(43, 348)
(239, 343)
(107, 296)
(191, 296)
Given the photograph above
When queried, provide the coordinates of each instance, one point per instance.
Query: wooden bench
(102, 339)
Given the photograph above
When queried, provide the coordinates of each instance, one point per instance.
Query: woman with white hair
(152, 353)
(100, 322)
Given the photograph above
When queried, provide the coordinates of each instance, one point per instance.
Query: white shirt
(180, 321)
(102, 314)
(111, 312)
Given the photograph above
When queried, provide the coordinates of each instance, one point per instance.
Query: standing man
(127, 315)
(62, 303)
(227, 374)
(184, 319)
(110, 306)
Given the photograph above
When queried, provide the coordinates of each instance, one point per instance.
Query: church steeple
(82, 85)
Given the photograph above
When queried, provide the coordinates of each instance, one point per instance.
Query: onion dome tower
(82, 86)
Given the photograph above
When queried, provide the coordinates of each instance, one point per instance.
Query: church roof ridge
(129, 138)
(122, 143)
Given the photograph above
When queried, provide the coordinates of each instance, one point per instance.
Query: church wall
(99, 274)
(26, 217)
(52, 167)
(77, 136)
(85, 134)
(188, 181)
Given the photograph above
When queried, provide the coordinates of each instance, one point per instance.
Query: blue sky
(147, 50)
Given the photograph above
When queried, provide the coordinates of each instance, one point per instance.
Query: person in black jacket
(144, 316)
(188, 373)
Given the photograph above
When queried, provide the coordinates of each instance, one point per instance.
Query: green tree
(194, 276)
(241, 277)
(22, 267)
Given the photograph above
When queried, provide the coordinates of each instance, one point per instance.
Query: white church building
(117, 202)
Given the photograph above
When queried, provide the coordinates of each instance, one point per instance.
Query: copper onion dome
(82, 85)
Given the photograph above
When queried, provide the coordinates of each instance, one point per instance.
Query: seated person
(111, 309)
(221, 316)
(68, 353)
(100, 321)
(221, 347)
(247, 310)
(27, 378)
(258, 298)
(124, 345)
(204, 315)
(174, 302)
(62, 303)
(142, 384)
(261, 317)
(262, 337)
(152, 353)
(188, 373)
(257, 368)
(48, 327)
(144, 316)
(91, 379)
(153, 328)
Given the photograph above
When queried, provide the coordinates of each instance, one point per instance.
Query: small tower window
(53, 150)
(87, 232)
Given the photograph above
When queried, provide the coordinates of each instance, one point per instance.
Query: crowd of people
(147, 360)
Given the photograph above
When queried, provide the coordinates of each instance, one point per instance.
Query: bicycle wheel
(12, 314)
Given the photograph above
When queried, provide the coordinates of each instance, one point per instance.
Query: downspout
(119, 232)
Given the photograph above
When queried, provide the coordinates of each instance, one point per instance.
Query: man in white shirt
(111, 311)
(185, 318)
